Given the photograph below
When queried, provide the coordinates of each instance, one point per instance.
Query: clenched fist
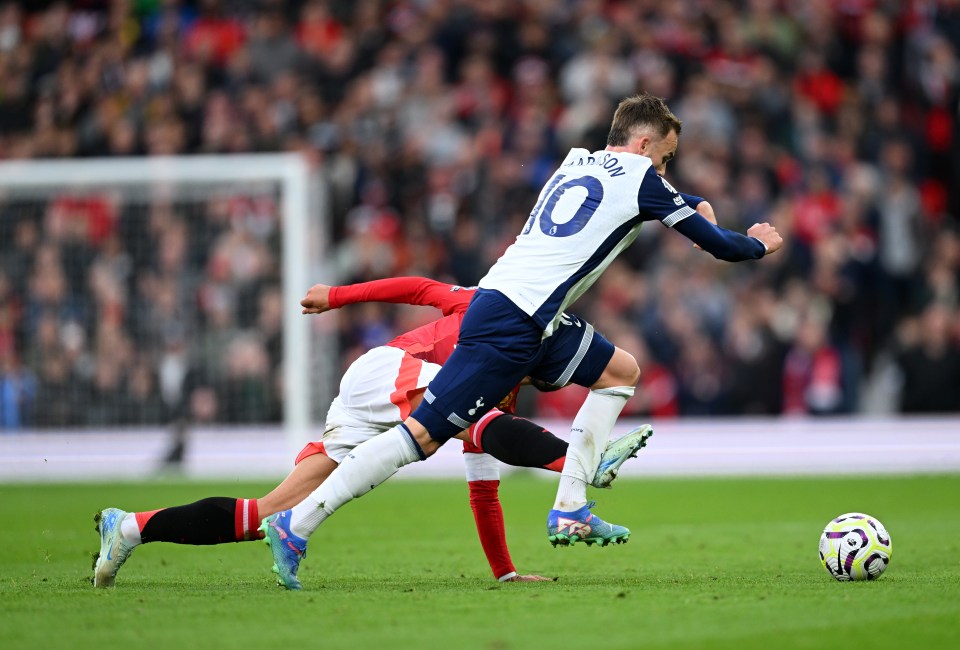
(768, 235)
(317, 299)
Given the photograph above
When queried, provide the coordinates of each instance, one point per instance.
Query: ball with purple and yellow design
(855, 546)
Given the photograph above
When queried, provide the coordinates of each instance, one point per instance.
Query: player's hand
(706, 211)
(317, 299)
(519, 578)
(768, 235)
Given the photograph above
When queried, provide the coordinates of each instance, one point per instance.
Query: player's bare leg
(306, 477)
(214, 520)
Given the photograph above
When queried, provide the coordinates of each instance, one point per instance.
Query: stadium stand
(433, 125)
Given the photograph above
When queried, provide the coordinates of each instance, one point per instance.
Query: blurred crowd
(434, 124)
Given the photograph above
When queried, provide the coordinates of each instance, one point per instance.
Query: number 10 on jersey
(543, 210)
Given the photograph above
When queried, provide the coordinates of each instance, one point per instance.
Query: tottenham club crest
(479, 405)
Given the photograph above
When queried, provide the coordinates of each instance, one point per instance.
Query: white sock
(588, 438)
(129, 530)
(367, 466)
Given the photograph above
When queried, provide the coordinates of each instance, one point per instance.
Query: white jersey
(590, 210)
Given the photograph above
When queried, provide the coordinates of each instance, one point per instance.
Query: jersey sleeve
(408, 291)
(692, 199)
(658, 200)
(723, 244)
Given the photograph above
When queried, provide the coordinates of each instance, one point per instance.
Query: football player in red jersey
(377, 391)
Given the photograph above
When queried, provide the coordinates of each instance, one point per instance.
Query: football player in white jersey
(589, 211)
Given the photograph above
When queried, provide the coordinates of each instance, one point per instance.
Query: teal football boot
(288, 549)
(617, 452)
(567, 528)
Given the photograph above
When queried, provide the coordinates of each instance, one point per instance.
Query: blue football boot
(567, 528)
(287, 548)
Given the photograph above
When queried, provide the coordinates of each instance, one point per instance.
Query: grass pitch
(724, 563)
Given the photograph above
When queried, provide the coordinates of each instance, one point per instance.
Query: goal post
(302, 224)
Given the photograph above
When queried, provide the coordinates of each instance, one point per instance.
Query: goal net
(146, 292)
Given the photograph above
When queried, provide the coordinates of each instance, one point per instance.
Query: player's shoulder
(654, 182)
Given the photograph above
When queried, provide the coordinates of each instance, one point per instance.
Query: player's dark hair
(643, 110)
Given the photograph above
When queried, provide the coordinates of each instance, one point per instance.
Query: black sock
(516, 441)
(208, 521)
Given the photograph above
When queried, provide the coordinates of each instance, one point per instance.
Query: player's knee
(631, 370)
(622, 370)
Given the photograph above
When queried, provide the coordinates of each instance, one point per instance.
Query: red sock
(476, 431)
(144, 517)
(247, 520)
(485, 503)
(557, 465)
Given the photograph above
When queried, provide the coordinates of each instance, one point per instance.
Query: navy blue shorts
(499, 345)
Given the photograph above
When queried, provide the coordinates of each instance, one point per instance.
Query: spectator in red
(318, 32)
(817, 209)
(214, 37)
(817, 83)
(813, 373)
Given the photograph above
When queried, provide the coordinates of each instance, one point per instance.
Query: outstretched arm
(657, 198)
(761, 239)
(409, 290)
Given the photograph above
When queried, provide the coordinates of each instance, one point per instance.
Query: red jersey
(433, 342)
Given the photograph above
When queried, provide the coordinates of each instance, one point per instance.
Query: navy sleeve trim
(676, 217)
(721, 243)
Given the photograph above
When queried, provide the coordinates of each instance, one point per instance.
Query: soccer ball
(855, 546)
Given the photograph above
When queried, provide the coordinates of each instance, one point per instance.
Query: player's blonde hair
(643, 110)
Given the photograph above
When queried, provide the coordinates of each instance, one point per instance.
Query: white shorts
(374, 397)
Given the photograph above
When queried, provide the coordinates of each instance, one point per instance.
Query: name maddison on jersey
(608, 161)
